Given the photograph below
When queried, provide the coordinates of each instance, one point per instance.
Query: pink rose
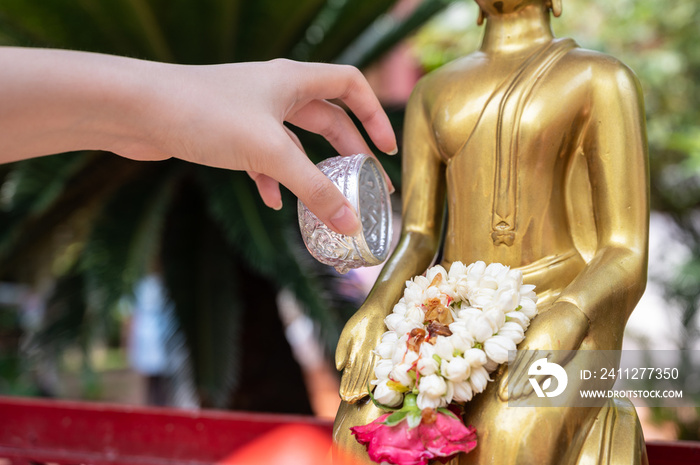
(403, 445)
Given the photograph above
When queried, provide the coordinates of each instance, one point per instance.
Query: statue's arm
(610, 285)
(607, 289)
(423, 194)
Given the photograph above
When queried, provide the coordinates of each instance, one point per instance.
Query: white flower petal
(387, 396)
(497, 348)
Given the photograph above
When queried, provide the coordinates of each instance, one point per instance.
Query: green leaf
(396, 418)
(448, 412)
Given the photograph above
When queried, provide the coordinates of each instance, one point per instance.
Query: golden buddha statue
(538, 149)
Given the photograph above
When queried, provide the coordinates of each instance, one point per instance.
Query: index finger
(347, 84)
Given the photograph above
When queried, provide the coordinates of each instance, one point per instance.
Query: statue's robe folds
(530, 184)
(504, 148)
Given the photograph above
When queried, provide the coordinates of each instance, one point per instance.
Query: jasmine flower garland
(447, 333)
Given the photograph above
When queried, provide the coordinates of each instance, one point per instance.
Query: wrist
(133, 120)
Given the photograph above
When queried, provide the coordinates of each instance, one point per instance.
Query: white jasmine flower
(490, 366)
(449, 394)
(428, 363)
(513, 331)
(444, 348)
(455, 370)
(410, 357)
(478, 379)
(427, 366)
(495, 317)
(458, 270)
(497, 348)
(387, 346)
(527, 291)
(506, 300)
(415, 290)
(434, 271)
(496, 271)
(482, 302)
(516, 276)
(400, 307)
(476, 270)
(431, 388)
(382, 369)
(387, 396)
(461, 339)
(401, 349)
(424, 401)
(481, 296)
(481, 328)
(475, 357)
(528, 307)
(400, 324)
(518, 317)
(457, 277)
(400, 374)
(467, 312)
(415, 315)
(462, 392)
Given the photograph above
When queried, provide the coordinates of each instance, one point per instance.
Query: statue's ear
(480, 18)
(556, 8)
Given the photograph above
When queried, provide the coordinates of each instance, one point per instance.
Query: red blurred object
(34, 431)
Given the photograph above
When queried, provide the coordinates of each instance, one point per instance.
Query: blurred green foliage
(82, 229)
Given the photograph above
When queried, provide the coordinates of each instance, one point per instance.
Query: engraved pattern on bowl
(361, 181)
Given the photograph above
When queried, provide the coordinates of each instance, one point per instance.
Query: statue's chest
(489, 124)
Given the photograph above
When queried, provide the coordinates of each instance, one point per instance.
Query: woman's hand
(232, 116)
(227, 116)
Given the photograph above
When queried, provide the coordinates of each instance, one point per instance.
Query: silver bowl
(360, 179)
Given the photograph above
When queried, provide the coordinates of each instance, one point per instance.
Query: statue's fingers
(342, 353)
(346, 381)
(364, 376)
(503, 386)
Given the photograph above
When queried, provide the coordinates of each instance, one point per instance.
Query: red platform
(35, 431)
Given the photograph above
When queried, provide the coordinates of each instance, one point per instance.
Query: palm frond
(126, 236)
(270, 243)
(66, 317)
(336, 25)
(80, 198)
(386, 32)
(201, 279)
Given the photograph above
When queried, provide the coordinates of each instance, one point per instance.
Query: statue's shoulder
(453, 74)
(601, 68)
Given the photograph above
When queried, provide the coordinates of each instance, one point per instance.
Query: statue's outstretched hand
(355, 353)
(560, 329)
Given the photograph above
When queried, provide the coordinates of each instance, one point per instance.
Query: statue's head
(501, 7)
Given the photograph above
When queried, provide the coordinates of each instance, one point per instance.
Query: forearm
(54, 101)
(412, 256)
(610, 286)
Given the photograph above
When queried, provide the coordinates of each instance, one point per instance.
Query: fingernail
(346, 221)
(393, 152)
(278, 207)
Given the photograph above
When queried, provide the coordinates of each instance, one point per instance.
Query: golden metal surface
(538, 149)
